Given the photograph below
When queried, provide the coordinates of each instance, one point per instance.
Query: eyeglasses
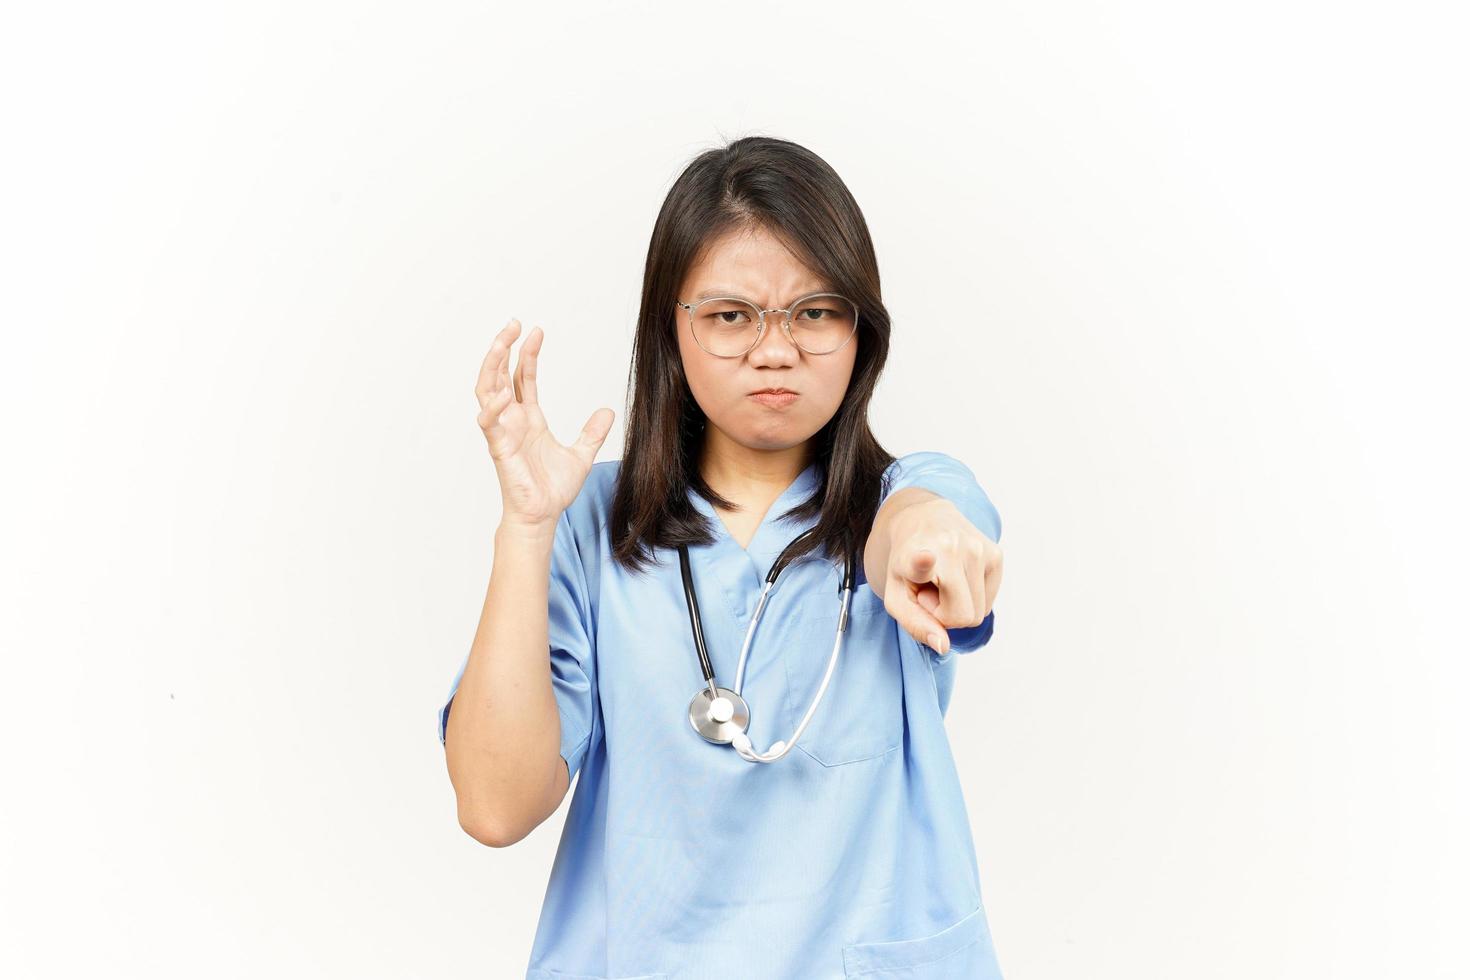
(728, 326)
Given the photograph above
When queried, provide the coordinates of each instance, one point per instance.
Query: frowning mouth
(774, 397)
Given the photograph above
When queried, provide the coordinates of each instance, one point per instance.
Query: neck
(735, 471)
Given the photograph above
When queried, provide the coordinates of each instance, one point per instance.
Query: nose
(774, 347)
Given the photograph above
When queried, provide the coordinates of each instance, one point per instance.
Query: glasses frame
(761, 330)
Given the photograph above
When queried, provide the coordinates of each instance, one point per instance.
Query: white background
(1183, 283)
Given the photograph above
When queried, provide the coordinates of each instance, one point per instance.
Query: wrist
(900, 501)
(515, 531)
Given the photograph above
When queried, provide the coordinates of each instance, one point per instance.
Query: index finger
(915, 620)
(488, 382)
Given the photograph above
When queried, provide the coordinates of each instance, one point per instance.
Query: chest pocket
(861, 715)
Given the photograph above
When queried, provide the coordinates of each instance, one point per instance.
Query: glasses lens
(725, 326)
(821, 324)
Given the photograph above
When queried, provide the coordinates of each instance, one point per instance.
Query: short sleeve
(569, 636)
(951, 479)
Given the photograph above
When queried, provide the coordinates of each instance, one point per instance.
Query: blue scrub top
(850, 856)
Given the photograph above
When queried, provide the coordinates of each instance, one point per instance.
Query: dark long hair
(786, 189)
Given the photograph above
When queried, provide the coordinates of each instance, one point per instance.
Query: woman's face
(752, 264)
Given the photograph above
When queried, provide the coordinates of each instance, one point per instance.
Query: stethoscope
(720, 714)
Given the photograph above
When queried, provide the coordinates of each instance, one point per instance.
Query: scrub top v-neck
(851, 856)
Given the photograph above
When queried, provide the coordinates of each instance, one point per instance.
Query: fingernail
(935, 643)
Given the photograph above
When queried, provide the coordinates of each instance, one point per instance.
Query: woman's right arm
(503, 736)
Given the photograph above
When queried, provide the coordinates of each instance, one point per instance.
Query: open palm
(539, 477)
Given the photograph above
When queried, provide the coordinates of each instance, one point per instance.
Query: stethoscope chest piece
(719, 719)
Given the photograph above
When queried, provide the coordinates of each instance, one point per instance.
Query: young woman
(763, 805)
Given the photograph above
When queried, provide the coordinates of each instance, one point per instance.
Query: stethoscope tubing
(741, 741)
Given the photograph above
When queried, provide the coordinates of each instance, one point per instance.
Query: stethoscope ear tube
(694, 621)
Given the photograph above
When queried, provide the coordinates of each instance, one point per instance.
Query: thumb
(593, 434)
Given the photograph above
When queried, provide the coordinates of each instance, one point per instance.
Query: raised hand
(539, 477)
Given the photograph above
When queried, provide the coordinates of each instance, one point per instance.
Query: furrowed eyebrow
(712, 293)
